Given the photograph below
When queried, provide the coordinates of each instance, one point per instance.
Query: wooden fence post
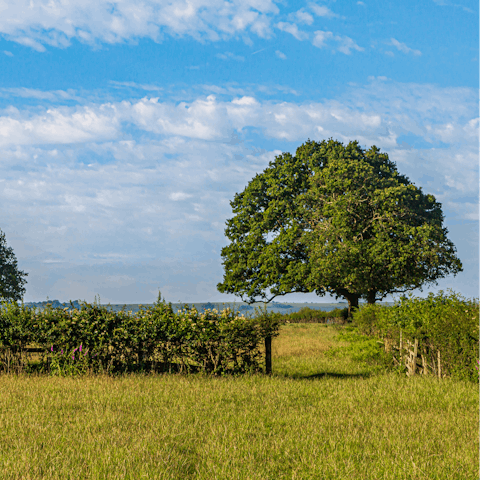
(401, 348)
(268, 355)
(415, 354)
(439, 366)
(424, 365)
(411, 360)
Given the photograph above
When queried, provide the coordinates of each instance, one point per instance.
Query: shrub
(155, 339)
(17, 326)
(444, 322)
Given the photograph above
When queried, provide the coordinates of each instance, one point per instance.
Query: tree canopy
(334, 219)
(12, 280)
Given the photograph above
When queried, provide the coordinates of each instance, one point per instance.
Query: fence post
(415, 354)
(268, 355)
(439, 366)
(401, 348)
(424, 365)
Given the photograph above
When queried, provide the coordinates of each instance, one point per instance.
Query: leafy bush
(17, 324)
(444, 322)
(155, 339)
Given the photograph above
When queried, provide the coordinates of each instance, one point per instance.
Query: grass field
(316, 417)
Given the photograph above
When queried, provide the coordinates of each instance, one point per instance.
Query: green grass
(317, 417)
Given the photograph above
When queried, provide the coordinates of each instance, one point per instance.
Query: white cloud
(29, 42)
(230, 56)
(134, 85)
(59, 125)
(322, 11)
(445, 3)
(51, 95)
(245, 101)
(302, 16)
(280, 54)
(452, 132)
(179, 196)
(381, 78)
(45, 22)
(8, 53)
(321, 38)
(292, 28)
(202, 118)
(344, 44)
(403, 48)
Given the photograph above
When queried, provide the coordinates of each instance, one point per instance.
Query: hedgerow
(96, 339)
(445, 323)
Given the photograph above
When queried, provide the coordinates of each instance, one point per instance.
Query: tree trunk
(352, 303)
(371, 294)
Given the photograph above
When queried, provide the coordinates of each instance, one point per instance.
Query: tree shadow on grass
(321, 375)
(339, 375)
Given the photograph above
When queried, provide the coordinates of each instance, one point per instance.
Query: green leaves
(12, 280)
(445, 322)
(154, 339)
(334, 219)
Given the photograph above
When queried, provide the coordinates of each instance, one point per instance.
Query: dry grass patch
(304, 340)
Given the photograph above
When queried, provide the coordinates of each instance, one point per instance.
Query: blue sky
(126, 127)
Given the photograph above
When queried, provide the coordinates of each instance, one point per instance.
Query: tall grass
(317, 417)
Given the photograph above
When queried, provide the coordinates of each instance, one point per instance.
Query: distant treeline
(310, 315)
(238, 307)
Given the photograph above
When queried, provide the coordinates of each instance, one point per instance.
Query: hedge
(445, 323)
(96, 339)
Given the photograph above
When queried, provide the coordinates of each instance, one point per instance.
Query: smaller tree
(12, 280)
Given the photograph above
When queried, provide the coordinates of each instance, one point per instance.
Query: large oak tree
(334, 219)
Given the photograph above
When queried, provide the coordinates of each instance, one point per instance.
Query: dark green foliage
(12, 280)
(155, 339)
(334, 219)
(266, 253)
(17, 324)
(448, 323)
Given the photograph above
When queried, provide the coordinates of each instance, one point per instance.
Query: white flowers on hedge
(153, 339)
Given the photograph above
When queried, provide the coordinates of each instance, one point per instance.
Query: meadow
(320, 415)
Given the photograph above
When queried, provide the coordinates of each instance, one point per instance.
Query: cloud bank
(146, 183)
(55, 23)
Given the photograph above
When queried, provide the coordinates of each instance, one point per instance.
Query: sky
(127, 127)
